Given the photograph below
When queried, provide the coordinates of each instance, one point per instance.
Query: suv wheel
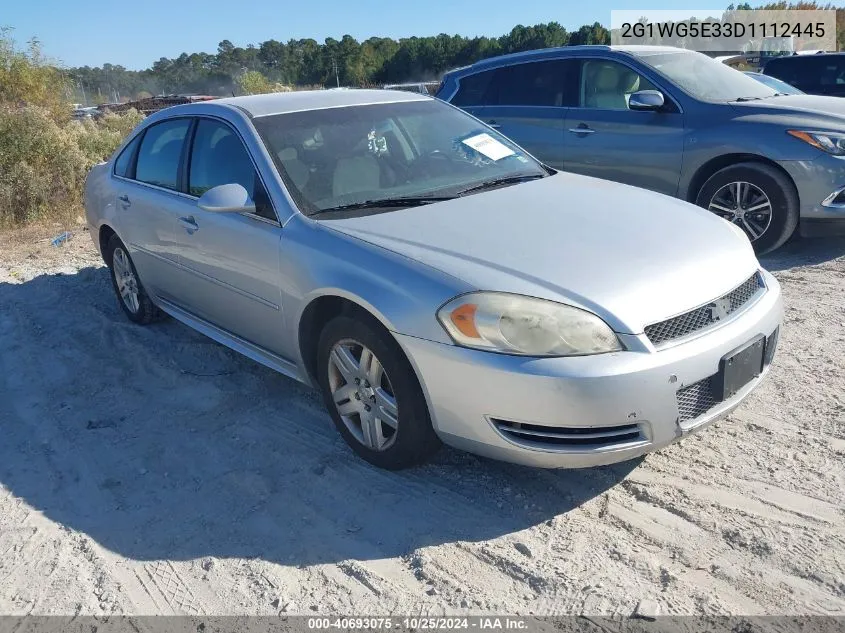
(758, 198)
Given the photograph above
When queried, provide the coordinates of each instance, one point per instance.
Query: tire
(142, 311)
(777, 188)
(412, 440)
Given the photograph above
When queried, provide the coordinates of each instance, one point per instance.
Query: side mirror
(232, 198)
(646, 100)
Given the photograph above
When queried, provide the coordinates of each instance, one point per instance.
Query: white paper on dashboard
(487, 145)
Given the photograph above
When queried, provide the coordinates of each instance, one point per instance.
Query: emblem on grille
(719, 309)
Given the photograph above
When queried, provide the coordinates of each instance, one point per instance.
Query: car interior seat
(296, 170)
(356, 173)
(629, 84)
(606, 92)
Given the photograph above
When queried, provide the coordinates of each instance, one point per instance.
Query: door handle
(582, 129)
(189, 224)
(124, 201)
(493, 124)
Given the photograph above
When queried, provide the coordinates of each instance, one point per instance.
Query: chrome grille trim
(563, 437)
(707, 315)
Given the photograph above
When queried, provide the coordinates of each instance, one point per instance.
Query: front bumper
(817, 182)
(469, 390)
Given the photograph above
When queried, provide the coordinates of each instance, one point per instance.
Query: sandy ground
(152, 471)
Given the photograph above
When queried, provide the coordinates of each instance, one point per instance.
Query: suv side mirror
(232, 198)
(646, 100)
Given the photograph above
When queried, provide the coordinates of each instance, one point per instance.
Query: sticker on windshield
(488, 146)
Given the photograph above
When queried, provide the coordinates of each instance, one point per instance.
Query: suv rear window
(546, 83)
(472, 89)
(549, 83)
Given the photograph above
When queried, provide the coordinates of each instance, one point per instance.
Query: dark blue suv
(674, 121)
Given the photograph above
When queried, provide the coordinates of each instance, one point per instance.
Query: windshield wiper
(410, 201)
(505, 180)
(740, 99)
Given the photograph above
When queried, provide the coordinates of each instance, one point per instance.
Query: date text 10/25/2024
(421, 623)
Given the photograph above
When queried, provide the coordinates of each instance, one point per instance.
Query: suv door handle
(125, 202)
(492, 123)
(582, 129)
(189, 224)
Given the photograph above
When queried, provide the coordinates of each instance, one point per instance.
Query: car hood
(632, 256)
(820, 110)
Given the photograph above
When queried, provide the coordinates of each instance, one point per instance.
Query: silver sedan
(432, 279)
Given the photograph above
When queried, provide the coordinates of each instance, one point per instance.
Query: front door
(231, 259)
(605, 139)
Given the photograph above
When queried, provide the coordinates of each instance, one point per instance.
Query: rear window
(547, 83)
(123, 164)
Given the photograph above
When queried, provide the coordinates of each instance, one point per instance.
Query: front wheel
(373, 394)
(758, 198)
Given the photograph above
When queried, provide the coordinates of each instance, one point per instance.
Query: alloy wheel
(744, 204)
(363, 395)
(127, 283)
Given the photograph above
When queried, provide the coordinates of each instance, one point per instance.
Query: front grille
(706, 315)
(695, 400)
(565, 436)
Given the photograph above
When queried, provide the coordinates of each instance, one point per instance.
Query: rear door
(148, 204)
(231, 259)
(605, 139)
(528, 103)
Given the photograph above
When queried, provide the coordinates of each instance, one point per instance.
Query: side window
(533, 84)
(158, 156)
(124, 162)
(833, 73)
(472, 89)
(808, 73)
(218, 157)
(607, 85)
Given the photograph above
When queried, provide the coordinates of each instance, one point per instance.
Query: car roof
(567, 51)
(285, 102)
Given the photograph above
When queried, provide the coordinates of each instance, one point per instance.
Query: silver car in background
(433, 280)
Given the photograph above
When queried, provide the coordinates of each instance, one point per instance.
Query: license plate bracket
(738, 368)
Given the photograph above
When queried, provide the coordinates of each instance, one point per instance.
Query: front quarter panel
(718, 130)
(401, 293)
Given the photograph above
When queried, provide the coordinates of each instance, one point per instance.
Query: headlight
(830, 142)
(515, 324)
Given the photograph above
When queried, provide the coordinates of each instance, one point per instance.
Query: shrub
(27, 77)
(44, 154)
(43, 162)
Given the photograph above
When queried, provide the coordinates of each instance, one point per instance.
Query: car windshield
(706, 79)
(399, 152)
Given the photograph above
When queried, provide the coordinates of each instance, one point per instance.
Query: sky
(136, 34)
